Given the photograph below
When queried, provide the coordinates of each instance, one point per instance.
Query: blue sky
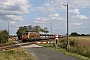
(43, 12)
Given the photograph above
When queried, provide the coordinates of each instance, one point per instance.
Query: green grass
(65, 52)
(15, 54)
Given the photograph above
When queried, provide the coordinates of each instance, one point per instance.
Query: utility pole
(68, 46)
(8, 30)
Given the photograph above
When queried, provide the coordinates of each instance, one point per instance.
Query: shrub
(3, 36)
(72, 42)
(63, 43)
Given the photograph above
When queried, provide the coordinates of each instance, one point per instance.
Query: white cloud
(13, 9)
(41, 19)
(14, 17)
(80, 17)
(12, 22)
(56, 16)
(37, 18)
(77, 24)
(81, 27)
(40, 22)
(75, 11)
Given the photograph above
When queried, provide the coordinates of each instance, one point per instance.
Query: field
(82, 40)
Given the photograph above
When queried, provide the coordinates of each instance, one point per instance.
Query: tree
(20, 31)
(3, 36)
(74, 34)
(38, 29)
(45, 30)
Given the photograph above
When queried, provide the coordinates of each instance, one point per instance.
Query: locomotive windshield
(25, 34)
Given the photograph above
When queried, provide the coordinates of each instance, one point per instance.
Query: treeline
(76, 34)
(3, 36)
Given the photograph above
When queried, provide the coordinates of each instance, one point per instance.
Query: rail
(8, 47)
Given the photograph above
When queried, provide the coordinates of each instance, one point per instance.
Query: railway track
(8, 47)
(20, 43)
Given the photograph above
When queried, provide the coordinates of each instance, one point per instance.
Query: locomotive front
(25, 36)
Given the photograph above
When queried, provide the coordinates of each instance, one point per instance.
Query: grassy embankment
(82, 40)
(15, 54)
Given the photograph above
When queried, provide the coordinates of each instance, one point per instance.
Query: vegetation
(15, 54)
(76, 34)
(20, 31)
(10, 42)
(75, 47)
(63, 43)
(83, 47)
(3, 36)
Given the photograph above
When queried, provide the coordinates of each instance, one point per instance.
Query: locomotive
(30, 36)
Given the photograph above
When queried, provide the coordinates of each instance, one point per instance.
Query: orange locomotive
(30, 36)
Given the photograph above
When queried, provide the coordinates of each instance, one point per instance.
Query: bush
(3, 36)
(72, 42)
(63, 43)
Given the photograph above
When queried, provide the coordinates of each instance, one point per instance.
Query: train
(33, 36)
(30, 36)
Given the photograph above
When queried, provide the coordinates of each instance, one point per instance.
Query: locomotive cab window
(25, 34)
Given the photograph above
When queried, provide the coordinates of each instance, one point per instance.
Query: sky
(46, 13)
